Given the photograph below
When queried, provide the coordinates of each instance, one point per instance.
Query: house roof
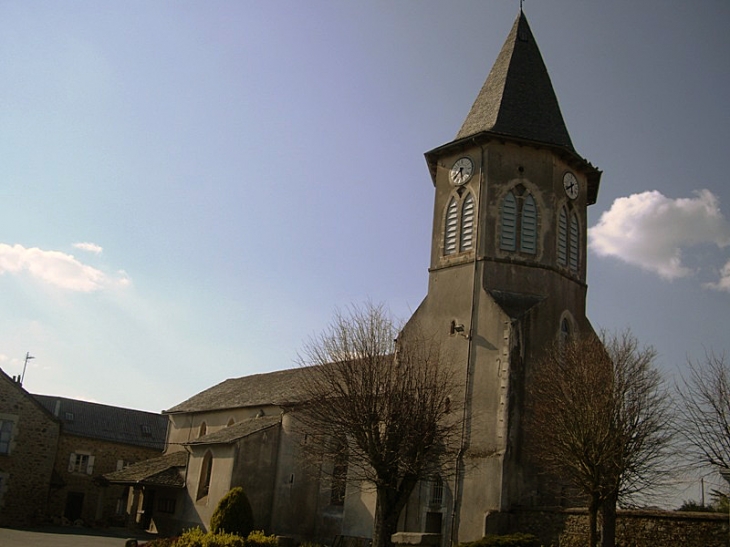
(15, 384)
(107, 423)
(237, 431)
(274, 388)
(166, 470)
(517, 98)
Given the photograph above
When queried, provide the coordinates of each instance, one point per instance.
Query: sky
(190, 190)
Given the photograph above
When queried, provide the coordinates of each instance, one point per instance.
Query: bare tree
(381, 404)
(704, 412)
(601, 411)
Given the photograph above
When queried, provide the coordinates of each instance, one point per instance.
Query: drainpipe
(456, 515)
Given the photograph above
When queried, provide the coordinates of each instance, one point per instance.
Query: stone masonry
(25, 470)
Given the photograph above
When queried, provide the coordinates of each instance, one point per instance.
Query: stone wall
(98, 503)
(569, 528)
(25, 472)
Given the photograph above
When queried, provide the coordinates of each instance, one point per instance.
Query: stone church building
(507, 278)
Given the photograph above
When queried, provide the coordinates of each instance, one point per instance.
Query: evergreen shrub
(197, 538)
(233, 514)
(511, 540)
(258, 539)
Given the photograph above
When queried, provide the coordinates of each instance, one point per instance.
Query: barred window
(437, 491)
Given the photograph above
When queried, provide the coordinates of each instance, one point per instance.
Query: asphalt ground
(68, 537)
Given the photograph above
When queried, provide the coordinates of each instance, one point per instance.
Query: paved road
(64, 537)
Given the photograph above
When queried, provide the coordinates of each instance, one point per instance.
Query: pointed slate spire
(518, 98)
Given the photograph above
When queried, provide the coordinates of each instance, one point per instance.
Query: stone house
(29, 436)
(507, 278)
(96, 439)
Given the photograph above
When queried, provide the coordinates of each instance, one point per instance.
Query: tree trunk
(385, 525)
(593, 522)
(608, 512)
(388, 506)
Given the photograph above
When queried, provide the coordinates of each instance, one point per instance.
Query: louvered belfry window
(451, 227)
(574, 243)
(508, 231)
(528, 226)
(519, 218)
(466, 237)
(459, 225)
(563, 238)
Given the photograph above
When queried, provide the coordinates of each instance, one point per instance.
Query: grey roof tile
(282, 387)
(166, 470)
(237, 431)
(107, 423)
(518, 99)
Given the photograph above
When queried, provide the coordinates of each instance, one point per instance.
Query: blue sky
(190, 189)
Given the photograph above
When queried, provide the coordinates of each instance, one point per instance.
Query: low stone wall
(569, 528)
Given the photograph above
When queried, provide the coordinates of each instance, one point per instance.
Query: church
(507, 278)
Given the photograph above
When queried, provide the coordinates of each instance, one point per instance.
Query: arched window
(203, 429)
(231, 421)
(574, 243)
(564, 330)
(459, 225)
(206, 470)
(508, 231)
(528, 226)
(518, 223)
(451, 227)
(563, 238)
(466, 238)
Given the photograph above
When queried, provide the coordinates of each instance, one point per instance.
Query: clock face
(461, 171)
(570, 183)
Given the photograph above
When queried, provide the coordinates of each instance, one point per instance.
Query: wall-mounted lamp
(456, 328)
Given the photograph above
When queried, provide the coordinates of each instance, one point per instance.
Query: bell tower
(507, 274)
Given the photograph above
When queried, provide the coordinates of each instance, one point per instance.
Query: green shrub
(160, 542)
(511, 540)
(233, 514)
(197, 538)
(258, 539)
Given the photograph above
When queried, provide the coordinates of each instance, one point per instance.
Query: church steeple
(517, 98)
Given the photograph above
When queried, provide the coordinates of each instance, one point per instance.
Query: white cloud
(723, 284)
(91, 247)
(650, 230)
(56, 268)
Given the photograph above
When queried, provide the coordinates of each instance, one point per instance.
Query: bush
(160, 542)
(196, 538)
(512, 540)
(233, 514)
(258, 539)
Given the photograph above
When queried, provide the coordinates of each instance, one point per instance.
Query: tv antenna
(28, 357)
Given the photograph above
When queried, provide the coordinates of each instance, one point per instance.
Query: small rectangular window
(6, 435)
